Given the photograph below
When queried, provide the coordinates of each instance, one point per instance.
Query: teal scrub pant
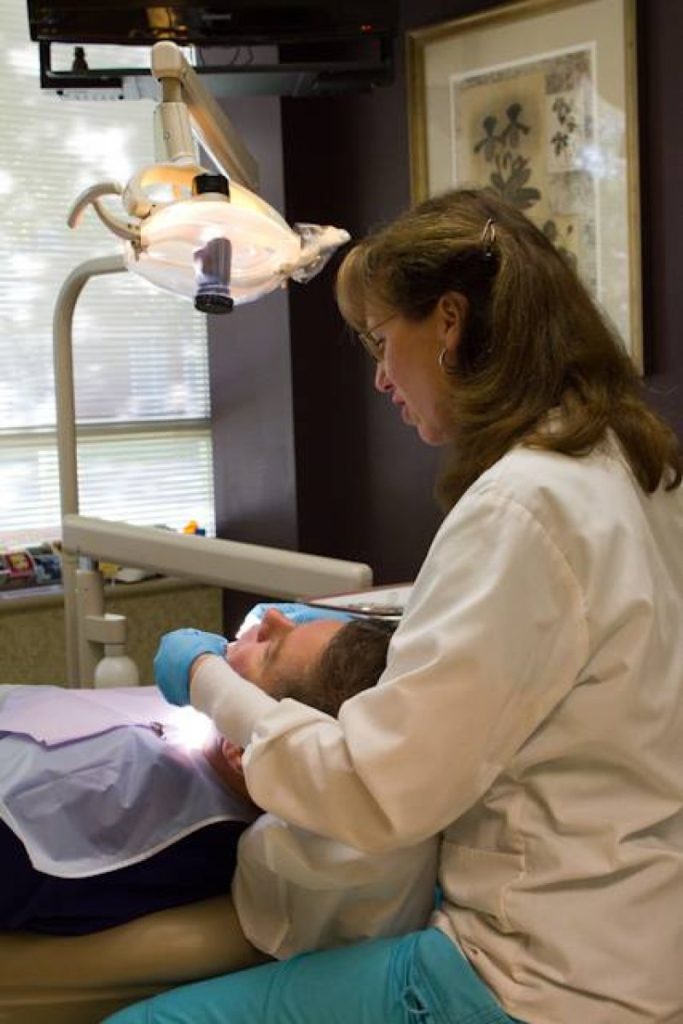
(418, 979)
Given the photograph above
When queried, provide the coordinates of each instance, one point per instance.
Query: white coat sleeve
(493, 638)
(295, 892)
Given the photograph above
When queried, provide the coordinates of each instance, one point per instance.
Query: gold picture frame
(538, 100)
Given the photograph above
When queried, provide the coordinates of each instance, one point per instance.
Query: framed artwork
(536, 99)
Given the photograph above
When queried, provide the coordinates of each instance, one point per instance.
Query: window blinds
(140, 355)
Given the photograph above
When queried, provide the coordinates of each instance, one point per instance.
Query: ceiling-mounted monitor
(320, 46)
(231, 23)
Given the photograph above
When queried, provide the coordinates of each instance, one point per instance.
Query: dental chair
(81, 979)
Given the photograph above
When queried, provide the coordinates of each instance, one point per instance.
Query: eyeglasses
(374, 345)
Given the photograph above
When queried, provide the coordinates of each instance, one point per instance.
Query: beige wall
(32, 626)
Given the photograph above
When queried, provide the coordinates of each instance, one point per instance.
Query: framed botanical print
(536, 99)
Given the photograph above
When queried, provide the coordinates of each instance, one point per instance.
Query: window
(140, 355)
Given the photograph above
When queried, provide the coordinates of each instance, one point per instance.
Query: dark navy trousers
(194, 868)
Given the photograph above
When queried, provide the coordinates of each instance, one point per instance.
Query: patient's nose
(273, 624)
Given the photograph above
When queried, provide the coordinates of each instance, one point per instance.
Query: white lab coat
(295, 891)
(532, 712)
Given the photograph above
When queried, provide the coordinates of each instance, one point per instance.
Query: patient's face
(277, 648)
(274, 649)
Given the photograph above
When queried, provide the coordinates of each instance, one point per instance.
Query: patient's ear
(226, 760)
(231, 769)
(233, 755)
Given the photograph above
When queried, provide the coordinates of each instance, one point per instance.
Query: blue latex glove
(174, 658)
(294, 611)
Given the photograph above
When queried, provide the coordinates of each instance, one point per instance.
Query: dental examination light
(195, 232)
(205, 234)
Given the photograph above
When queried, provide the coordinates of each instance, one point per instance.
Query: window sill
(52, 595)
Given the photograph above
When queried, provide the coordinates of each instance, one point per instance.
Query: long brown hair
(534, 341)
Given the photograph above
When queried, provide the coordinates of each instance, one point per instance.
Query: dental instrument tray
(385, 603)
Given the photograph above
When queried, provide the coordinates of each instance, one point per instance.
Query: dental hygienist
(531, 711)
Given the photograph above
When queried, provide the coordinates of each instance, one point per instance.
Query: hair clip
(488, 237)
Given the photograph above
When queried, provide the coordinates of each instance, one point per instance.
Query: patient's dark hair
(353, 661)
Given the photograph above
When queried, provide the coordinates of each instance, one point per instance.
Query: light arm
(184, 94)
(66, 439)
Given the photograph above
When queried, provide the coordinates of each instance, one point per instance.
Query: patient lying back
(114, 804)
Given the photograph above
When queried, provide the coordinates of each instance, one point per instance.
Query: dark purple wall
(661, 135)
(362, 484)
(250, 375)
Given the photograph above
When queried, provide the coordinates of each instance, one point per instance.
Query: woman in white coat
(531, 711)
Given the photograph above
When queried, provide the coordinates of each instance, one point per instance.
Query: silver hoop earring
(445, 365)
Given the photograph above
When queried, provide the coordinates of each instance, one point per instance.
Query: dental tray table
(385, 603)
